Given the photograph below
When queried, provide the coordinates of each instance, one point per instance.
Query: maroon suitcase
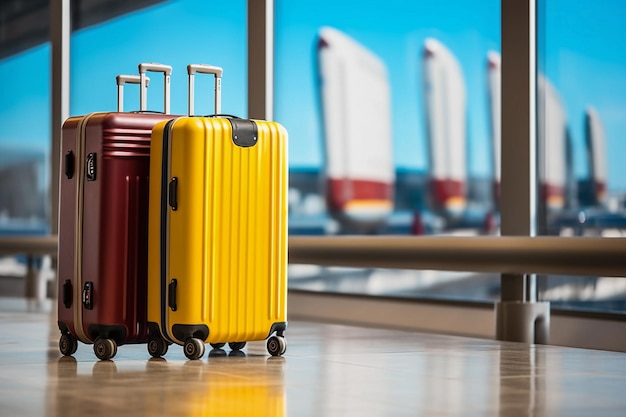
(103, 224)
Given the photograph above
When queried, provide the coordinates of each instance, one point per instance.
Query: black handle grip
(67, 293)
(245, 132)
(171, 294)
(173, 194)
(224, 115)
(69, 165)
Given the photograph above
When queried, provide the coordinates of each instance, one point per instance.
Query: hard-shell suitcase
(103, 228)
(217, 231)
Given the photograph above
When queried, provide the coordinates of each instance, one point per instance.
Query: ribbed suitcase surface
(103, 226)
(218, 226)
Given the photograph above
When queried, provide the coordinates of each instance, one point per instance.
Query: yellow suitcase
(217, 231)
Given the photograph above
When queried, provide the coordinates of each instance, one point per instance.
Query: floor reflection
(522, 382)
(224, 384)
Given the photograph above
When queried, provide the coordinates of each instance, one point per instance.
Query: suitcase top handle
(143, 91)
(192, 69)
(126, 79)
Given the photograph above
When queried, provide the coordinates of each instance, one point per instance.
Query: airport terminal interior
(416, 283)
(328, 370)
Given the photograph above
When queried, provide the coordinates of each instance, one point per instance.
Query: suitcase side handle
(67, 293)
(123, 79)
(192, 69)
(173, 194)
(143, 90)
(69, 165)
(171, 294)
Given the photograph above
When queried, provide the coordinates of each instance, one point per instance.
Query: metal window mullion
(261, 59)
(519, 158)
(519, 317)
(60, 97)
(60, 29)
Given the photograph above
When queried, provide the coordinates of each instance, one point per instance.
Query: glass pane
(25, 110)
(176, 33)
(25, 142)
(389, 115)
(596, 294)
(391, 112)
(581, 120)
(439, 285)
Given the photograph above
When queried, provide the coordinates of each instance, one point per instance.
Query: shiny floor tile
(328, 370)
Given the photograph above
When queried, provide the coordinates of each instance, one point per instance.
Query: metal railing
(31, 245)
(498, 254)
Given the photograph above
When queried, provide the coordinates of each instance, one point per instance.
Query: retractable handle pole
(143, 92)
(192, 69)
(121, 81)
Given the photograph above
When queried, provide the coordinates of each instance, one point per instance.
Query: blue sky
(581, 55)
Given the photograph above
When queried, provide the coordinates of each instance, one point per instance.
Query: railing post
(519, 316)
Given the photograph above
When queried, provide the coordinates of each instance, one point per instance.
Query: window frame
(580, 329)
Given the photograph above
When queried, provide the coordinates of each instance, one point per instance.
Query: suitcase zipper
(164, 235)
(81, 133)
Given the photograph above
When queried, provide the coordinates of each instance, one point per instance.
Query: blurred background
(393, 116)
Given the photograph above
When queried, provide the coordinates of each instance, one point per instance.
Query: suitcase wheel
(157, 347)
(218, 353)
(68, 344)
(105, 348)
(193, 348)
(237, 345)
(217, 345)
(276, 345)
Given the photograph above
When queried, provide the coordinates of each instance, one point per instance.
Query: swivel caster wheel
(157, 347)
(237, 345)
(276, 345)
(105, 348)
(68, 344)
(217, 345)
(193, 348)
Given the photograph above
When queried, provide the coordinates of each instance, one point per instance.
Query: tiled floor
(328, 370)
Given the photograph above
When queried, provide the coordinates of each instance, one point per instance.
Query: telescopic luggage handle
(192, 69)
(121, 81)
(143, 91)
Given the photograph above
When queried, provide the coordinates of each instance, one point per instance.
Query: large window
(394, 121)
(173, 32)
(25, 142)
(177, 32)
(581, 119)
(391, 112)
